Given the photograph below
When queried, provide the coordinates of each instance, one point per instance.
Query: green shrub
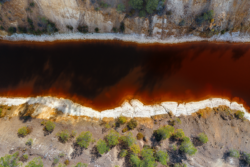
(139, 136)
(36, 162)
(132, 124)
(182, 23)
(22, 29)
(49, 126)
(12, 30)
(1, 112)
(203, 138)
(26, 157)
(122, 120)
(239, 114)
(142, 13)
(188, 147)
(179, 134)
(84, 139)
(10, 160)
(246, 157)
(180, 165)
(136, 4)
(174, 147)
(234, 153)
(162, 157)
(124, 129)
(103, 5)
(148, 159)
(61, 165)
(151, 5)
(43, 122)
(61, 155)
(1, 27)
(120, 8)
(32, 4)
(135, 160)
(128, 139)
(81, 165)
(164, 132)
(122, 27)
(24, 131)
(113, 138)
(114, 29)
(96, 29)
(69, 27)
(102, 146)
(83, 29)
(123, 153)
(63, 136)
(66, 162)
(207, 16)
(55, 160)
(29, 142)
(73, 133)
(135, 149)
(186, 139)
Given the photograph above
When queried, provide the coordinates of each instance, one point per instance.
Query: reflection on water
(103, 74)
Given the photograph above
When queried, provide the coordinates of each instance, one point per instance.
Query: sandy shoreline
(132, 108)
(234, 37)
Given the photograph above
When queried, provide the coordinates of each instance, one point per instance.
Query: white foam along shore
(133, 108)
(227, 37)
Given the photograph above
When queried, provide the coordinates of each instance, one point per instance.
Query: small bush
(132, 124)
(148, 157)
(107, 126)
(32, 4)
(179, 134)
(135, 149)
(139, 136)
(136, 4)
(73, 134)
(203, 138)
(55, 160)
(114, 29)
(178, 120)
(36, 162)
(234, 153)
(12, 30)
(22, 29)
(49, 126)
(24, 131)
(142, 13)
(61, 165)
(69, 27)
(122, 120)
(96, 29)
(43, 122)
(207, 16)
(239, 114)
(66, 162)
(151, 5)
(120, 8)
(1, 112)
(103, 5)
(84, 139)
(123, 153)
(29, 142)
(188, 148)
(25, 157)
(1, 27)
(186, 139)
(173, 147)
(180, 165)
(162, 157)
(182, 23)
(112, 138)
(81, 165)
(246, 157)
(63, 136)
(102, 147)
(83, 29)
(10, 160)
(128, 139)
(135, 160)
(122, 27)
(61, 155)
(124, 130)
(164, 132)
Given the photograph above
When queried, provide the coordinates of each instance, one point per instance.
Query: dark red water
(103, 74)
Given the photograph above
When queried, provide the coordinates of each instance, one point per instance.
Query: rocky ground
(175, 17)
(224, 132)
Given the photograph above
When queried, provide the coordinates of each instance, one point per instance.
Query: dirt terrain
(224, 132)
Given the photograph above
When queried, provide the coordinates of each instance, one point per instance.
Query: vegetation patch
(63, 136)
(239, 114)
(188, 147)
(179, 134)
(123, 153)
(203, 138)
(234, 153)
(49, 126)
(120, 8)
(128, 139)
(139, 136)
(132, 124)
(29, 142)
(207, 16)
(22, 132)
(84, 139)
(102, 147)
(164, 132)
(113, 138)
(162, 157)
